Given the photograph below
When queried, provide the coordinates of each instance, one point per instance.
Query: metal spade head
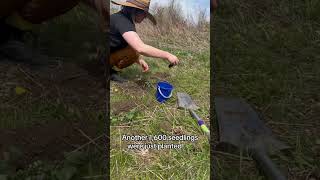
(240, 126)
(185, 101)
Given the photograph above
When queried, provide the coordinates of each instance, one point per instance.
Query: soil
(121, 107)
(161, 76)
(130, 88)
(136, 87)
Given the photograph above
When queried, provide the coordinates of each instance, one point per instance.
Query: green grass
(267, 53)
(149, 117)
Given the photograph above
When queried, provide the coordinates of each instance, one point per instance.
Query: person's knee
(124, 57)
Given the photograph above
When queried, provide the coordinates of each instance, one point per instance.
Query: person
(17, 17)
(126, 47)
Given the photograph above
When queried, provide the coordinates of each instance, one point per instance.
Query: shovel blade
(240, 126)
(185, 101)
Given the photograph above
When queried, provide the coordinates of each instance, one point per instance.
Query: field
(53, 116)
(135, 110)
(267, 52)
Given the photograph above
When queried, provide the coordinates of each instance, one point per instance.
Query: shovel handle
(266, 164)
(200, 123)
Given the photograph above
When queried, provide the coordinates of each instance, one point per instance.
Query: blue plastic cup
(164, 91)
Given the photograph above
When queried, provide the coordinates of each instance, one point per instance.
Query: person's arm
(137, 44)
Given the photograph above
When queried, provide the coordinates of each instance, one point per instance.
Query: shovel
(240, 126)
(185, 102)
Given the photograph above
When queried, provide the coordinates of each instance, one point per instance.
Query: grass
(148, 117)
(267, 53)
(162, 119)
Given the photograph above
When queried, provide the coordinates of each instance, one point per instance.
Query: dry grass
(173, 30)
(176, 31)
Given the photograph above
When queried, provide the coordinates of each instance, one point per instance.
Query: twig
(136, 121)
(7, 103)
(91, 140)
(67, 142)
(30, 78)
(72, 77)
(86, 144)
(293, 124)
(120, 126)
(96, 176)
(232, 155)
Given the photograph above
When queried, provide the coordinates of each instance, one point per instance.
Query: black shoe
(115, 77)
(14, 47)
(18, 51)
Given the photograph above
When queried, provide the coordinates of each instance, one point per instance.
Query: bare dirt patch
(161, 75)
(130, 88)
(122, 107)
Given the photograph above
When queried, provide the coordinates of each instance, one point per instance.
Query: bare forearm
(150, 51)
(136, 43)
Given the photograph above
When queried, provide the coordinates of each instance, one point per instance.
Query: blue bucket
(164, 91)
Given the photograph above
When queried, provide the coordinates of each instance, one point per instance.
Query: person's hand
(173, 60)
(144, 65)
